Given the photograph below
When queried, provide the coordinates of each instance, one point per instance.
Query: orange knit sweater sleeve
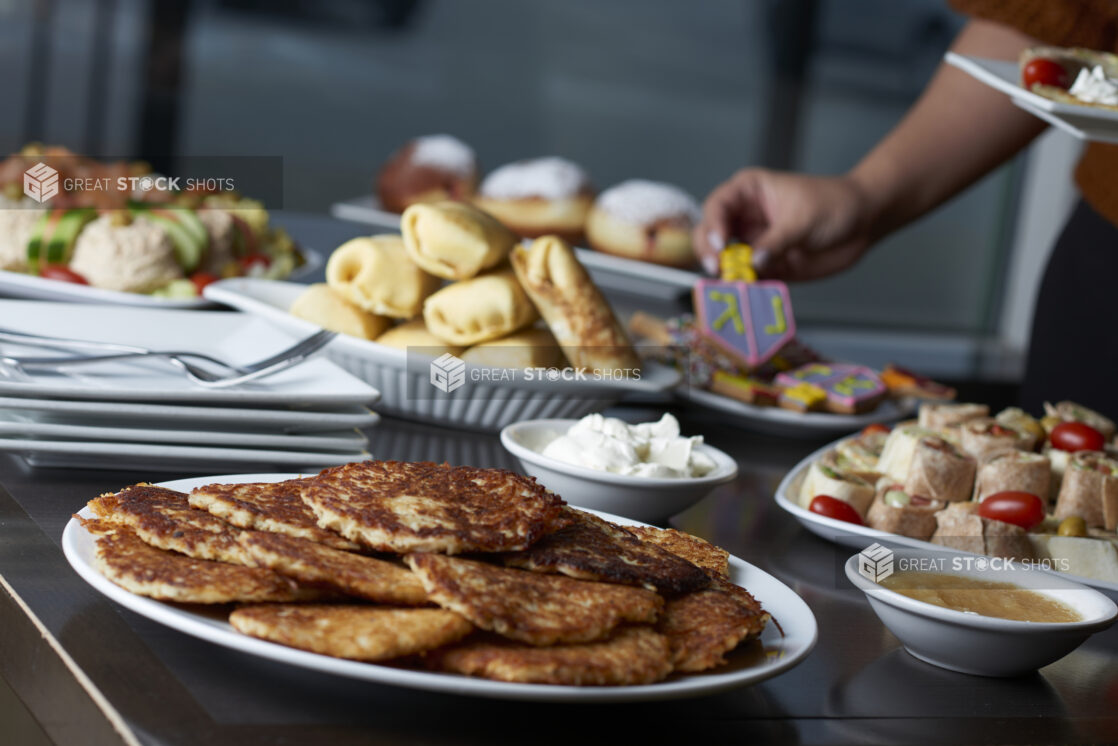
(1067, 23)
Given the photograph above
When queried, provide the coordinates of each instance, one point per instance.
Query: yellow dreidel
(736, 262)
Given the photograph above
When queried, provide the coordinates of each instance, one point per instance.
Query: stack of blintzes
(481, 572)
(502, 304)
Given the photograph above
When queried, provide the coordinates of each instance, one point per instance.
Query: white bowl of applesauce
(986, 616)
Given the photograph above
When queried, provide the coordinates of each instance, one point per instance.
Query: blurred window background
(675, 90)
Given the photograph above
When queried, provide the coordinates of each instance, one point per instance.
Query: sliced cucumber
(35, 243)
(60, 247)
(189, 248)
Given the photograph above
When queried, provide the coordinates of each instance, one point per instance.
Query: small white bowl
(982, 645)
(648, 499)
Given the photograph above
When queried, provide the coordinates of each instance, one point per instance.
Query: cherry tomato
(62, 274)
(1045, 72)
(832, 507)
(1019, 508)
(256, 259)
(876, 427)
(201, 279)
(1076, 436)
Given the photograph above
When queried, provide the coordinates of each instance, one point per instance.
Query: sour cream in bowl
(647, 471)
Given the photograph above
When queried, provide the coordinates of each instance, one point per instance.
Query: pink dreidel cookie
(750, 322)
(856, 389)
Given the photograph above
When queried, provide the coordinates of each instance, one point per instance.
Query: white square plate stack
(147, 414)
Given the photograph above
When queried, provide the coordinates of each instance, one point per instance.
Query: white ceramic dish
(640, 498)
(139, 414)
(790, 424)
(17, 424)
(1081, 120)
(234, 337)
(609, 272)
(20, 285)
(77, 454)
(778, 653)
(982, 645)
(860, 537)
(405, 380)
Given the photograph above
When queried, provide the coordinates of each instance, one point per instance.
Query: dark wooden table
(76, 668)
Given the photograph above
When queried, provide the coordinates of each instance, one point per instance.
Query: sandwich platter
(858, 536)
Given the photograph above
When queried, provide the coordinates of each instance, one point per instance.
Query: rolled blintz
(527, 348)
(899, 449)
(414, 334)
(939, 471)
(986, 438)
(454, 241)
(938, 416)
(478, 310)
(898, 512)
(320, 305)
(825, 480)
(375, 274)
(1014, 471)
(1090, 490)
(575, 310)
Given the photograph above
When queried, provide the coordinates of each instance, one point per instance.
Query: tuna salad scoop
(134, 258)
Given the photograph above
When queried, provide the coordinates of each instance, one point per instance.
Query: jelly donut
(644, 220)
(431, 168)
(539, 197)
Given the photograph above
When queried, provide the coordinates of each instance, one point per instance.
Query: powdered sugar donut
(431, 168)
(645, 220)
(539, 197)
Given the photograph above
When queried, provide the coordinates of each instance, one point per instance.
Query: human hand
(801, 227)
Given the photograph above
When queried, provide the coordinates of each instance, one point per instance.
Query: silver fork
(282, 360)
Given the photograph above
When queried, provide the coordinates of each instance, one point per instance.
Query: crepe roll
(454, 241)
(898, 512)
(938, 416)
(414, 334)
(825, 480)
(940, 471)
(320, 305)
(375, 274)
(1015, 471)
(1069, 411)
(899, 449)
(575, 310)
(984, 439)
(478, 310)
(528, 348)
(1090, 490)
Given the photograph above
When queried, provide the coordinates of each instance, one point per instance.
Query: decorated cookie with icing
(848, 388)
(750, 322)
(744, 388)
(803, 397)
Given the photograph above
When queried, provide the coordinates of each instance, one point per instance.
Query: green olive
(1073, 525)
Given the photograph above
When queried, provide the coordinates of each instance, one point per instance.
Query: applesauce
(975, 596)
